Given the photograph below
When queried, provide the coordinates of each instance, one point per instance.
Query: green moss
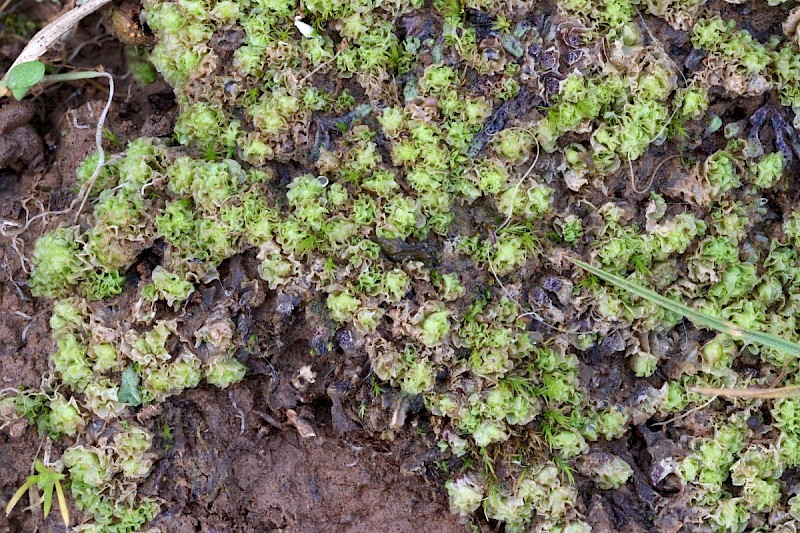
(435, 326)
(56, 266)
(65, 416)
(225, 372)
(342, 306)
(92, 471)
(167, 286)
(612, 474)
(138, 65)
(768, 170)
(691, 102)
(411, 202)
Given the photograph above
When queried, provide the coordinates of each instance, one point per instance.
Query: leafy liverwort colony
(421, 175)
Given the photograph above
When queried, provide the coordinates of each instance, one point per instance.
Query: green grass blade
(48, 499)
(696, 317)
(20, 493)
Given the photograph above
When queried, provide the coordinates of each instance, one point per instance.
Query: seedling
(46, 479)
(564, 469)
(23, 76)
(19, 79)
(112, 137)
(44, 38)
(27, 71)
(376, 388)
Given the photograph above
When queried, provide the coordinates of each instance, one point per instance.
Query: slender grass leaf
(62, 504)
(792, 391)
(48, 499)
(698, 318)
(31, 481)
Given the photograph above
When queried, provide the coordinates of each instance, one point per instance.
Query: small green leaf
(24, 76)
(19, 94)
(129, 387)
(47, 499)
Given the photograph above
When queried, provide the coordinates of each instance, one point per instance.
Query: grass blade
(698, 318)
(48, 499)
(62, 504)
(792, 391)
(19, 494)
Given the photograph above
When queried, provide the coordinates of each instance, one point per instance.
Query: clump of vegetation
(438, 191)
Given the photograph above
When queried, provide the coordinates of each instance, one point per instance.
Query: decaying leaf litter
(356, 227)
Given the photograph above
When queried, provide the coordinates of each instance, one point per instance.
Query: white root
(86, 189)
(98, 141)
